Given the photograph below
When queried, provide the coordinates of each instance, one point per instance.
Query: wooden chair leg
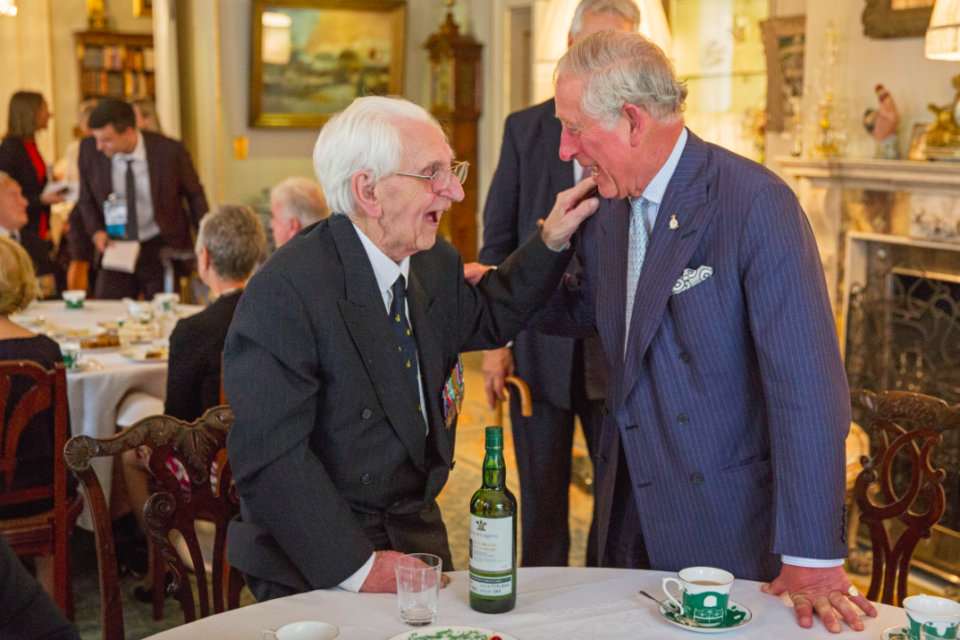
(71, 600)
(159, 580)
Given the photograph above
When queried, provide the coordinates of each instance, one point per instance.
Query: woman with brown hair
(21, 160)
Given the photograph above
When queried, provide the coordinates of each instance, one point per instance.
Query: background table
(94, 395)
(553, 604)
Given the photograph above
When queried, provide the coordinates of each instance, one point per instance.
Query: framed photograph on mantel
(783, 41)
(896, 18)
(310, 58)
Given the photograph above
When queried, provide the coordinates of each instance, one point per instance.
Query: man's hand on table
(383, 575)
(823, 590)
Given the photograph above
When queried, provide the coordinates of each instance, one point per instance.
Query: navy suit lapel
(366, 320)
(613, 244)
(669, 251)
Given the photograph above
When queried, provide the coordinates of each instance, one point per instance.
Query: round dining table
(95, 394)
(553, 603)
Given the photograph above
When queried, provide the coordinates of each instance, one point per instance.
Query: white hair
(623, 68)
(300, 198)
(626, 9)
(366, 136)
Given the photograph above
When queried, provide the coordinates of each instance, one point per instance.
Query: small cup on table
(932, 618)
(71, 354)
(418, 588)
(705, 593)
(74, 298)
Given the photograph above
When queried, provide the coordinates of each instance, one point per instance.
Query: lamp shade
(556, 26)
(943, 34)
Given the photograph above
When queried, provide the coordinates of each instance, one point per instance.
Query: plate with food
(146, 355)
(103, 341)
(453, 633)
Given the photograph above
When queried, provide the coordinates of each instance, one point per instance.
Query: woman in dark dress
(20, 158)
(35, 449)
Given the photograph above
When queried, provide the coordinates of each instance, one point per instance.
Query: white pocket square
(691, 278)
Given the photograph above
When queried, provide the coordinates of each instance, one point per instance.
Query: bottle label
(483, 586)
(491, 543)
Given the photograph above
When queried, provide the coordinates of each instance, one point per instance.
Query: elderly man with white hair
(728, 409)
(341, 348)
(295, 203)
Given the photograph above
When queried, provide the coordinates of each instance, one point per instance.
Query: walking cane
(526, 408)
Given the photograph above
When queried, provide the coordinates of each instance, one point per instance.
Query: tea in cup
(932, 618)
(166, 302)
(71, 354)
(705, 593)
(303, 631)
(74, 298)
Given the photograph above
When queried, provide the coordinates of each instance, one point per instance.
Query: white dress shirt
(386, 271)
(146, 224)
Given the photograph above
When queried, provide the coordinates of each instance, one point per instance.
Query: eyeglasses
(442, 179)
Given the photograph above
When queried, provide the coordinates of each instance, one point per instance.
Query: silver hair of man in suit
(626, 9)
(234, 237)
(300, 198)
(366, 136)
(624, 68)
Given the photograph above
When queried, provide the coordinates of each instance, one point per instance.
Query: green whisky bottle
(493, 535)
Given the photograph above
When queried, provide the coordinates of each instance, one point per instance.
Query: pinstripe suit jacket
(731, 402)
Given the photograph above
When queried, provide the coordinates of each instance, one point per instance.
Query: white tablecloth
(94, 395)
(553, 604)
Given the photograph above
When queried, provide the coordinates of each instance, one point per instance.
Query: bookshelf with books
(115, 64)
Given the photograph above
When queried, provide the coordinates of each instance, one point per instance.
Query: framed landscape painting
(311, 58)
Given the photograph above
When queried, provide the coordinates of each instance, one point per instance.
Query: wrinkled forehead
(424, 146)
(568, 92)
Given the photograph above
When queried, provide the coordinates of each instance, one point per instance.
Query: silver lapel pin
(673, 223)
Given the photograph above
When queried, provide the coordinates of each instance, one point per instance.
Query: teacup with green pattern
(932, 618)
(705, 593)
(71, 354)
(74, 298)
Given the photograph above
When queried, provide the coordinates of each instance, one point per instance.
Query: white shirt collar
(386, 270)
(139, 152)
(7, 233)
(658, 186)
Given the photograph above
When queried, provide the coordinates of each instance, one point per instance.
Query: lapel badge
(673, 223)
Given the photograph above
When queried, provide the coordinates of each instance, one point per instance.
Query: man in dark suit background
(13, 224)
(340, 348)
(119, 158)
(728, 405)
(567, 377)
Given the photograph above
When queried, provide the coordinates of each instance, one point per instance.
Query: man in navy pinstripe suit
(728, 404)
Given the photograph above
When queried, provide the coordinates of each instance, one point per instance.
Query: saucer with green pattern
(736, 616)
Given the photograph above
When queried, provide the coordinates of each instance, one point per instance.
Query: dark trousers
(147, 277)
(625, 548)
(543, 444)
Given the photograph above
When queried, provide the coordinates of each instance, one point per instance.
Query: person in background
(80, 274)
(25, 610)
(21, 160)
(18, 288)
(567, 377)
(146, 113)
(228, 245)
(157, 172)
(295, 203)
(13, 221)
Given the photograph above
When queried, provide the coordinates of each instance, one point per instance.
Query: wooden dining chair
(47, 533)
(204, 490)
(900, 487)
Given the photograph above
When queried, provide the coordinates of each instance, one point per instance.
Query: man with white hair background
(337, 358)
(567, 377)
(295, 203)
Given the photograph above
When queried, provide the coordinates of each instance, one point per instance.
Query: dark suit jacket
(173, 182)
(731, 404)
(327, 430)
(196, 350)
(26, 611)
(16, 162)
(524, 189)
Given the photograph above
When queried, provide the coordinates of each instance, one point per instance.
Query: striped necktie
(636, 253)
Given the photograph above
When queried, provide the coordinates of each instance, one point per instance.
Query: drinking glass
(418, 588)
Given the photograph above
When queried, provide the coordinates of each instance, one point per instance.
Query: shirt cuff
(354, 582)
(811, 563)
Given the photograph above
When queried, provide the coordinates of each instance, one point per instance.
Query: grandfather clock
(455, 98)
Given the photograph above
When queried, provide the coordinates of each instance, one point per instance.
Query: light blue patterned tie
(636, 253)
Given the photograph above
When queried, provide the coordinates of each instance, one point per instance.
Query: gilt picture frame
(142, 8)
(310, 59)
(784, 40)
(896, 18)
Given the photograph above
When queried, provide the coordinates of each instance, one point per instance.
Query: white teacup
(74, 298)
(705, 592)
(303, 631)
(71, 354)
(932, 617)
(166, 302)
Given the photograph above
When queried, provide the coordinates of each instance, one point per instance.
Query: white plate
(669, 613)
(140, 355)
(451, 633)
(895, 633)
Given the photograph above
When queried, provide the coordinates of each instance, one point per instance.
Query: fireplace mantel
(930, 197)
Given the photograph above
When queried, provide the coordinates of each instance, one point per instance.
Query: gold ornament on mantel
(96, 15)
(829, 133)
(945, 133)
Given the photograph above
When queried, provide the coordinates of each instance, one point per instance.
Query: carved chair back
(191, 471)
(900, 484)
(44, 534)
